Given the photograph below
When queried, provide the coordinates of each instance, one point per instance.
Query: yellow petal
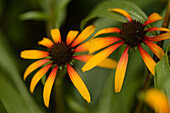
(121, 70)
(82, 48)
(157, 38)
(48, 86)
(99, 57)
(71, 36)
(55, 33)
(152, 18)
(150, 63)
(78, 83)
(106, 63)
(46, 42)
(33, 54)
(158, 29)
(34, 66)
(157, 100)
(155, 48)
(38, 76)
(107, 30)
(99, 43)
(83, 35)
(123, 12)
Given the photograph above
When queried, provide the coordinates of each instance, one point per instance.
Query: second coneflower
(132, 34)
(61, 54)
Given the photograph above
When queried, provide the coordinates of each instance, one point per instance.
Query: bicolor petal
(55, 33)
(123, 12)
(107, 30)
(155, 48)
(99, 57)
(106, 63)
(46, 42)
(83, 35)
(71, 36)
(84, 47)
(121, 70)
(157, 100)
(157, 38)
(152, 18)
(38, 76)
(99, 43)
(150, 63)
(78, 83)
(48, 86)
(34, 54)
(34, 66)
(157, 29)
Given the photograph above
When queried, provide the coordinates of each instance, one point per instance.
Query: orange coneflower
(60, 54)
(157, 100)
(132, 34)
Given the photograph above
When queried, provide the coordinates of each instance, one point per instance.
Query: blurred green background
(25, 22)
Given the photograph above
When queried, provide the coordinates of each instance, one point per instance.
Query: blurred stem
(52, 16)
(59, 100)
(149, 76)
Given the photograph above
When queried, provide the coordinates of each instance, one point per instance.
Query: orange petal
(155, 48)
(99, 57)
(120, 70)
(48, 86)
(157, 38)
(123, 12)
(157, 100)
(107, 30)
(106, 63)
(152, 18)
(46, 42)
(83, 35)
(34, 66)
(33, 54)
(38, 76)
(55, 33)
(78, 83)
(158, 29)
(99, 43)
(71, 36)
(82, 48)
(150, 63)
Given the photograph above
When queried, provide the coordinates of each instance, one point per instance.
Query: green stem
(59, 99)
(149, 76)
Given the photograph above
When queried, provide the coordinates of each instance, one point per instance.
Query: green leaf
(162, 72)
(101, 10)
(33, 15)
(2, 108)
(7, 63)
(12, 100)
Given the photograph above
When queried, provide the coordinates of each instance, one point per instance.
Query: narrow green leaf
(12, 100)
(33, 15)
(2, 108)
(101, 10)
(7, 63)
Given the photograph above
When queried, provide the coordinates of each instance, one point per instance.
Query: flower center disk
(61, 53)
(132, 33)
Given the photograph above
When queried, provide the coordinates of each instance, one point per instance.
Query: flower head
(61, 54)
(157, 100)
(132, 34)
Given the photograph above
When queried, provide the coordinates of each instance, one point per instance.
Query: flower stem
(155, 58)
(59, 99)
